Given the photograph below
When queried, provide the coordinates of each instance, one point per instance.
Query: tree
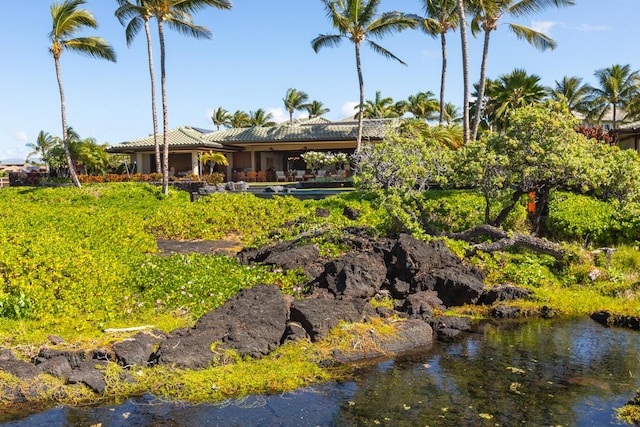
(261, 118)
(69, 19)
(422, 105)
(134, 16)
(617, 87)
(465, 69)
(572, 92)
(316, 109)
(221, 117)
(487, 16)
(213, 158)
(240, 119)
(177, 14)
(380, 108)
(510, 92)
(294, 100)
(357, 21)
(452, 114)
(441, 17)
(41, 148)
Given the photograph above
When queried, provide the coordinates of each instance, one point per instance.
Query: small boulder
(317, 316)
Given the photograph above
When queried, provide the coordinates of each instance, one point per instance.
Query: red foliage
(597, 133)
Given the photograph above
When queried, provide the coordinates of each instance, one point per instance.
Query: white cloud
(279, 114)
(543, 26)
(21, 135)
(591, 28)
(430, 53)
(348, 109)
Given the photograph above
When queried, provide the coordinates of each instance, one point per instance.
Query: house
(628, 135)
(277, 148)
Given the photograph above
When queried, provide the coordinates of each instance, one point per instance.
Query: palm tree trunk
(443, 77)
(165, 117)
(153, 98)
(465, 71)
(614, 115)
(361, 105)
(483, 80)
(65, 136)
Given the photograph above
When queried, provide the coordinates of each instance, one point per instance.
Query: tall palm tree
(135, 16)
(379, 108)
(487, 16)
(452, 114)
(460, 7)
(294, 100)
(572, 92)
(618, 85)
(261, 118)
(240, 119)
(316, 109)
(441, 17)
(422, 105)
(357, 21)
(69, 19)
(221, 117)
(177, 14)
(44, 143)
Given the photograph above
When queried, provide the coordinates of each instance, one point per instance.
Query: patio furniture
(262, 176)
(252, 176)
(299, 176)
(321, 173)
(280, 176)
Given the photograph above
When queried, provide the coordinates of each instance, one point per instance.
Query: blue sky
(260, 48)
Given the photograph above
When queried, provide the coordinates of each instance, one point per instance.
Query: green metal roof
(183, 137)
(305, 132)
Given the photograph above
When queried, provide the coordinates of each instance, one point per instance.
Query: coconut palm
(572, 92)
(487, 17)
(441, 17)
(617, 87)
(357, 21)
(452, 114)
(177, 15)
(240, 119)
(135, 16)
(69, 19)
(221, 117)
(460, 7)
(316, 109)
(379, 108)
(422, 105)
(213, 158)
(512, 91)
(261, 118)
(44, 143)
(294, 100)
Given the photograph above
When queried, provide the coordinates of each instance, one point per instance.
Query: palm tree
(177, 14)
(221, 117)
(465, 70)
(261, 118)
(572, 92)
(68, 19)
(512, 91)
(422, 105)
(44, 143)
(380, 108)
(213, 158)
(452, 114)
(294, 100)
(357, 21)
(134, 16)
(442, 16)
(487, 15)
(618, 86)
(316, 109)
(240, 119)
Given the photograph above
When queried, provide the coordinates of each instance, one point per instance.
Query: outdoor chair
(252, 176)
(299, 176)
(262, 176)
(280, 176)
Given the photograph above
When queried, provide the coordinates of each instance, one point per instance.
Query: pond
(533, 373)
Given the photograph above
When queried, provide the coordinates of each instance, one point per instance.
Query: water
(537, 373)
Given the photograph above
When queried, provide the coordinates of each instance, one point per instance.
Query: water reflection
(538, 373)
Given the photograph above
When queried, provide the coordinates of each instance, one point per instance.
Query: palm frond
(384, 52)
(326, 40)
(539, 40)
